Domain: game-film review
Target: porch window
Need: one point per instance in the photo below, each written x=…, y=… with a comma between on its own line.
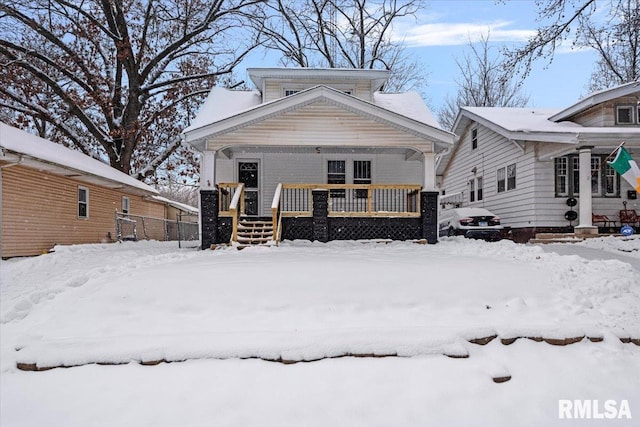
x=562, y=177
x=474, y=138
x=336, y=174
x=362, y=175
x=605, y=182
x=596, y=183
x=126, y=203
x=610, y=181
x=83, y=202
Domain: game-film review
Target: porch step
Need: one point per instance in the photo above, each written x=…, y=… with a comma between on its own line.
x=254, y=232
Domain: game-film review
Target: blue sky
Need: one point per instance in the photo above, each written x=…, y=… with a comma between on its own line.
x=442, y=32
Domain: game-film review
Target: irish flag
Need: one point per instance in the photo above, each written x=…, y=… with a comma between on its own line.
x=627, y=168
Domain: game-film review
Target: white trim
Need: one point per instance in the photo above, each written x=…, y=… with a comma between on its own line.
x=198, y=137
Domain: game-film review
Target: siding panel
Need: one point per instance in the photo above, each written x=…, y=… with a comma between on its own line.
x=39, y=210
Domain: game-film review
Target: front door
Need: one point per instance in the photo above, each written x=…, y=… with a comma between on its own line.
x=248, y=175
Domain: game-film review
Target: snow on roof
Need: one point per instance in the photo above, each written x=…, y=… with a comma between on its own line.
x=178, y=205
x=596, y=98
x=21, y=142
x=222, y=103
x=409, y=104
x=522, y=119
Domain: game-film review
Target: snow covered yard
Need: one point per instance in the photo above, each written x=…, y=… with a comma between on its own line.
x=218, y=313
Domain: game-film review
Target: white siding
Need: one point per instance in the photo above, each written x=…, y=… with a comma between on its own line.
x=293, y=168
x=515, y=207
x=274, y=89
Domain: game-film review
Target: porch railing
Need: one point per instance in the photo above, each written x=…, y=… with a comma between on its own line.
x=353, y=199
x=231, y=203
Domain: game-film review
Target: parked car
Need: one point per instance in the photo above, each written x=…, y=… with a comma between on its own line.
x=474, y=223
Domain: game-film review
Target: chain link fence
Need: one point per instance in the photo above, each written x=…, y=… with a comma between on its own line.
x=184, y=229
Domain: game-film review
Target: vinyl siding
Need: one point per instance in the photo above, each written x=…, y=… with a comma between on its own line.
x=39, y=210
x=603, y=115
x=291, y=168
x=515, y=207
x=319, y=124
x=274, y=89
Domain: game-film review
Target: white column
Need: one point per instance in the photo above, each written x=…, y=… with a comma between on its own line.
x=208, y=170
x=429, y=183
x=585, y=188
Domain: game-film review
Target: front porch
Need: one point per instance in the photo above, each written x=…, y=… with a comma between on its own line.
x=320, y=212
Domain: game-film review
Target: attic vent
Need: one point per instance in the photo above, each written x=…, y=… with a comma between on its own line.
x=73, y=175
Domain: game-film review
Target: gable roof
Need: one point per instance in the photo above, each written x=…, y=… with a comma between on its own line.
x=56, y=158
x=529, y=124
x=594, y=99
x=413, y=116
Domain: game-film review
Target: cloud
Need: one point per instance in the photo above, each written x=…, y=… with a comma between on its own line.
x=459, y=33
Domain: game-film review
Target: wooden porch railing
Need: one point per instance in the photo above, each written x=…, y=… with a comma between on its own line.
x=231, y=203
x=368, y=200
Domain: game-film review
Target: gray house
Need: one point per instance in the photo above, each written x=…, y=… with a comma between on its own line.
x=545, y=170
x=318, y=154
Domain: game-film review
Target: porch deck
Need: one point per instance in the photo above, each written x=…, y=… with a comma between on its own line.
x=333, y=212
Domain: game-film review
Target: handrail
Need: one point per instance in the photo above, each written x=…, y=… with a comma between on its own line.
x=275, y=213
x=383, y=200
x=238, y=198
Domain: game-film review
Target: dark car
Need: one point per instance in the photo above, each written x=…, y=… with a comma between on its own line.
x=474, y=223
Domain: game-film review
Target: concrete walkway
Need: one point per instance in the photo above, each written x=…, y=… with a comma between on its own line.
x=591, y=253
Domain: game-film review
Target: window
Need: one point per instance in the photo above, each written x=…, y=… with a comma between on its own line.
x=501, y=181
x=562, y=177
x=610, y=181
x=474, y=139
x=336, y=174
x=511, y=177
x=125, y=205
x=596, y=182
x=361, y=175
x=475, y=189
x=624, y=115
x=289, y=92
x=83, y=202
x=604, y=180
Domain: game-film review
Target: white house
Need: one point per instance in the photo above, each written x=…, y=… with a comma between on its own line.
x=317, y=154
x=529, y=165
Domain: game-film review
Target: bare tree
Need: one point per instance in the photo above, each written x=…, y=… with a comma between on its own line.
x=581, y=22
x=342, y=34
x=617, y=41
x=118, y=79
x=481, y=84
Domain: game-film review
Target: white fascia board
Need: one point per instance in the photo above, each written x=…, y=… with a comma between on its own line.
x=197, y=137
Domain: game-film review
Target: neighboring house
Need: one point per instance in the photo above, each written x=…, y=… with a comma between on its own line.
x=322, y=154
x=528, y=165
x=54, y=195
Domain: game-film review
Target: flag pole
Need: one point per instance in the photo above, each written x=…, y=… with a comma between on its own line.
x=614, y=152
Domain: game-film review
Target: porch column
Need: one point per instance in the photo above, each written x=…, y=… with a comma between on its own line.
x=429, y=161
x=585, y=226
x=208, y=200
x=208, y=170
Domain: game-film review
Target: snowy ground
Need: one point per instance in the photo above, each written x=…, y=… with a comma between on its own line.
x=221, y=315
